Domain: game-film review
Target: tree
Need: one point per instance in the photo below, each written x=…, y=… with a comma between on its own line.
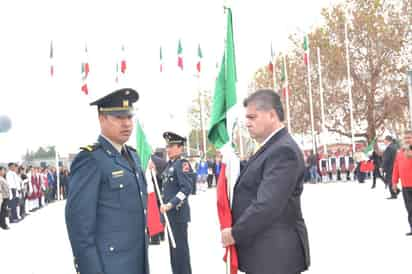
x=379, y=36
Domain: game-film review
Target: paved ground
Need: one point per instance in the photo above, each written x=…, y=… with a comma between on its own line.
x=352, y=229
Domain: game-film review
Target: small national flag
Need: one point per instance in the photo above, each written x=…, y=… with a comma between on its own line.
x=284, y=78
x=51, y=59
x=180, y=55
x=306, y=49
x=161, y=60
x=85, y=72
x=123, y=61
x=272, y=57
x=199, y=59
x=144, y=151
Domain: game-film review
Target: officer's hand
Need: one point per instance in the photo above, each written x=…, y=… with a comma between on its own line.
x=166, y=207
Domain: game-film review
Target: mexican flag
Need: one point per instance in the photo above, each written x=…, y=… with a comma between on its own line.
x=220, y=135
x=180, y=55
x=284, y=78
x=161, y=60
x=144, y=152
x=123, y=62
x=199, y=59
x=85, y=72
x=271, y=61
x=51, y=59
x=306, y=49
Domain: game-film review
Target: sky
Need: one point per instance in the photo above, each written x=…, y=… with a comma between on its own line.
x=54, y=111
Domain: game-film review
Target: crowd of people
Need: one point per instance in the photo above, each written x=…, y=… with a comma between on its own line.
x=27, y=189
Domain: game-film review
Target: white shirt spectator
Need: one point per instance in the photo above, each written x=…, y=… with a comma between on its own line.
x=13, y=180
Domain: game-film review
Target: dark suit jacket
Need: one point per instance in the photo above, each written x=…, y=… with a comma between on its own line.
x=388, y=160
x=268, y=226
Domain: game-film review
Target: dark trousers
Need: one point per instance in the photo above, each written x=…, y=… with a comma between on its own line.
x=22, y=205
x=376, y=174
x=407, y=197
x=209, y=180
x=388, y=182
x=13, y=204
x=179, y=256
x=3, y=212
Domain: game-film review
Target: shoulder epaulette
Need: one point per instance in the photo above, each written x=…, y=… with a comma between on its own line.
x=90, y=148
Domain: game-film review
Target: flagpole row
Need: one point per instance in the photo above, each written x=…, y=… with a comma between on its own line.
x=168, y=227
x=349, y=86
x=322, y=109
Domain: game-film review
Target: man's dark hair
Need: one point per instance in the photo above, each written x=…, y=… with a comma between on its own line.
x=388, y=138
x=266, y=99
x=10, y=165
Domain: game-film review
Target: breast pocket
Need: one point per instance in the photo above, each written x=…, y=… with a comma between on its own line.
x=128, y=191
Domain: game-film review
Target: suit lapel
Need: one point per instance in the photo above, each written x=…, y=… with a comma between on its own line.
x=271, y=141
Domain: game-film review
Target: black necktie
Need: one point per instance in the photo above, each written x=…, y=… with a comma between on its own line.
x=127, y=157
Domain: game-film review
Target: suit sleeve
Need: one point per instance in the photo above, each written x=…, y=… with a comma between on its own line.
x=280, y=174
x=81, y=212
x=185, y=184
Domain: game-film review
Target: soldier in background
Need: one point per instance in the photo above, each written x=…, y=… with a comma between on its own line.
x=177, y=186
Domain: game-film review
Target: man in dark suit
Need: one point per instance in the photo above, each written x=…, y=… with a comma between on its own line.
x=268, y=228
x=106, y=204
x=388, y=160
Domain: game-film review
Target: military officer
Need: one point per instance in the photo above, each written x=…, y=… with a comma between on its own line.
x=177, y=185
x=106, y=205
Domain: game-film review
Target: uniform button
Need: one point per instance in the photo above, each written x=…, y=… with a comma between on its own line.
x=111, y=248
x=121, y=185
x=145, y=211
x=145, y=230
x=141, y=193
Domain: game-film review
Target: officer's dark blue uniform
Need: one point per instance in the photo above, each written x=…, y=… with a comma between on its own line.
x=106, y=206
x=177, y=186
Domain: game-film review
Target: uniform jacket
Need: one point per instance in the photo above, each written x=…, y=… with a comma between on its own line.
x=177, y=186
x=268, y=226
x=106, y=212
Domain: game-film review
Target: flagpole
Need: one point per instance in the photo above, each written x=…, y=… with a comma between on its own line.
x=202, y=116
x=321, y=104
x=349, y=85
x=287, y=94
x=159, y=197
x=310, y=97
x=273, y=66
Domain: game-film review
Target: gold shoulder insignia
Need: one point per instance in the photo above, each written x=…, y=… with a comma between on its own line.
x=90, y=148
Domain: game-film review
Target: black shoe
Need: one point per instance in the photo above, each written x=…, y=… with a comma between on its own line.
x=5, y=227
x=14, y=221
x=390, y=198
x=409, y=234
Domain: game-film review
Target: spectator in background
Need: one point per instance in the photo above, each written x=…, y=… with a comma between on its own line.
x=218, y=167
x=377, y=163
x=64, y=181
x=210, y=172
x=23, y=191
x=52, y=185
x=14, y=186
x=387, y=164
x=202, y=174
x=5, y=194
x=403, y=170
x=312, y=162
